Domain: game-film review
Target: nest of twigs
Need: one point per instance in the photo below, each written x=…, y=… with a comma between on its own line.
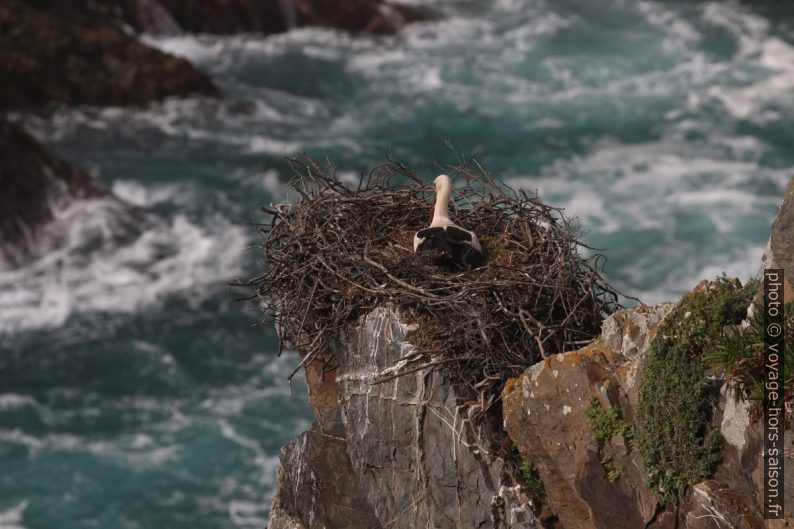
x=342, y=250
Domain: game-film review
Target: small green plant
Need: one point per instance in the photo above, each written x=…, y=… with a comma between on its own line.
x=613, y=473
x=673, y=427
x=606, y=423
x=740, y=353
x=532, y=482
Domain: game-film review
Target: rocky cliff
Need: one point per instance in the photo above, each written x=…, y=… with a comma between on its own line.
x=405, y=453
x=399, y=454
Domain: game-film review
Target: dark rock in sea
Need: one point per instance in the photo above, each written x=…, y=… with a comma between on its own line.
x=144, y=16
x=63, y=53
x=371, y=16
x=230, y=16
x=36, y=185
x=234, y=16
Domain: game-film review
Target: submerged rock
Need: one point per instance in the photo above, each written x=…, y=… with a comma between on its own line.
x=145, y=16
x=372, y=16
x=230, y=16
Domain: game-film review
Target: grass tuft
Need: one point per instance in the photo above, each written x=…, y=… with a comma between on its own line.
x=532, y=482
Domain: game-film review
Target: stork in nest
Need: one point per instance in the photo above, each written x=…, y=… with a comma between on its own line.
x=452, y=244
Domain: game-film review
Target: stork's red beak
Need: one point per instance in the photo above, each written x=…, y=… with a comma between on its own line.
x=432, y=212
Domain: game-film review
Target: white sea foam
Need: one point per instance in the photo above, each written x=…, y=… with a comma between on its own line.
x=748, y=29
x=12, y=401
x=248, y=513
x=749, y=101
x=681, y=33
x=146, y=196
x=264, y=145
x=647, y=187
x=97, y=263
x=12, y=518
x=220, y=53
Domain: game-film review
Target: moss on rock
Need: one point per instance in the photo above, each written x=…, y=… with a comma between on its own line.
x=673, y=429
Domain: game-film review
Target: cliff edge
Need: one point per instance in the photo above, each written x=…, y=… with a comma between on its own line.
x=651, y=425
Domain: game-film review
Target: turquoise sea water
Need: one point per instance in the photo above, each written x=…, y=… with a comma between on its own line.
x=135, y=393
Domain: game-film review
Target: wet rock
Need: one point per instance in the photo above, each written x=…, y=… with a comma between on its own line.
x=372, y=16
x=47, y=204
x=52, y=52
x=230, y=16
x=235, y=16
x=144, y=16
x=35, y=183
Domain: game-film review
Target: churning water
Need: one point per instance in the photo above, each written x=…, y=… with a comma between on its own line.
x=135, y=393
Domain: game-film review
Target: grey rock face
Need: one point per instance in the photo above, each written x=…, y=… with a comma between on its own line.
x=317, y=487
x=779, y=251
x=405, y=449
x=408, y=438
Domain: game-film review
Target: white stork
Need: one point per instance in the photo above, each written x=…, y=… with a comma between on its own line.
x=460, y=246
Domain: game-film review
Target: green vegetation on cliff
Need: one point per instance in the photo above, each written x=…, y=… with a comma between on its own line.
x=532, y=482
x=606, y=423
x=740, y=353
x=673, y=429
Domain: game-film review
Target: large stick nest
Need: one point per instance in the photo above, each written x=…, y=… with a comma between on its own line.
x=340, y=251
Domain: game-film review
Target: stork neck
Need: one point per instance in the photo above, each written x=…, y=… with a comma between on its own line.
x=441, y=209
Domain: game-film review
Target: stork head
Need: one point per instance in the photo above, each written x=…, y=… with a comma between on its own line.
x=442, y=182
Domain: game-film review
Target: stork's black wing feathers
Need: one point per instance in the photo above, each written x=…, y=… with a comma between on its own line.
x=451, y=243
